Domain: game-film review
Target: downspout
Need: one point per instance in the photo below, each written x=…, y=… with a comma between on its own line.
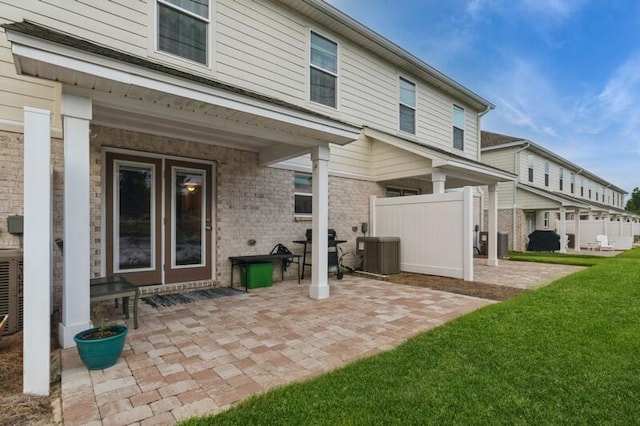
x=479, y=116
x=516, y=170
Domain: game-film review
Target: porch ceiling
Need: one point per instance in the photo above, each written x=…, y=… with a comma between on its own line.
x=134, y=93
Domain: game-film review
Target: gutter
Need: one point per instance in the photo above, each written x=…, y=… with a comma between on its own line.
x=478, y=127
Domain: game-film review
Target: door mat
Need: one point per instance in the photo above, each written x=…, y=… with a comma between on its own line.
x=170, y=299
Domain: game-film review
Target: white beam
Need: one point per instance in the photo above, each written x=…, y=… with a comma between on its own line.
x=320, y=223
x=577, y=240
x=37, y=251
x=467, y=226
x=76, y=266
x=438, y=179
x=492, y=258
x=562, y=230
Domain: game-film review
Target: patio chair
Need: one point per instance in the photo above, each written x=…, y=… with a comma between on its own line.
x=603, y=243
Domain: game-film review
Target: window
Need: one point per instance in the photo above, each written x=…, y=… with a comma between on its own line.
x=546, y=220
x=302, y=191
x=407, y=106
x=458, y=127
x=530, y=168
x=323, y=71
x=401, y=192
x=597, y=196
x=183, y=27
x=546, y=173
x=561, y=179
x=573, y=183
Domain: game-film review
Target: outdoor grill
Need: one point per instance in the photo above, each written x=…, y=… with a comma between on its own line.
x=332, y=248
x=543, y=240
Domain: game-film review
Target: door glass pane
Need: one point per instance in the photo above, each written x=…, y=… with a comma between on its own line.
x=188, y=217
x=135, y=217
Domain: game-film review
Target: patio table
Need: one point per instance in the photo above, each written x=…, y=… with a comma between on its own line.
x=113, y=287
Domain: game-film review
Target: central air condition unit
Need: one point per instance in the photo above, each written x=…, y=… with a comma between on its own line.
x=380, y=255
x=11, y=282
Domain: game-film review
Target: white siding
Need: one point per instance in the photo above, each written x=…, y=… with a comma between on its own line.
x=257, y=45
x=389, y=162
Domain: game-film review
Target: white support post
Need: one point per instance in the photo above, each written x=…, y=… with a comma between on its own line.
x=605, y=225
x=562, y=229
x=438, y=179
x=320, y=225
x=467, y=226
x=75, y=293
x=372, y=216
x=577, y=240
x=37, y=252
x=492, y=258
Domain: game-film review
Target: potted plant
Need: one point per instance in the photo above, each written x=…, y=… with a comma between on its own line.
x=100, y=347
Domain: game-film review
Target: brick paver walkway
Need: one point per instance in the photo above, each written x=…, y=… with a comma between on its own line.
x=202, y=357
x=526, y=275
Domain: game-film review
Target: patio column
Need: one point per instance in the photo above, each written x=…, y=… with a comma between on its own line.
x=577, y=230
x=562, y=230
x=76, y=113
x=320, y=225
x=438, y=179
x=492, y=258
x=37, y=251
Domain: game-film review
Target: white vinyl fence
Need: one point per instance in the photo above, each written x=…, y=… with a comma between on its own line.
x=621, y=233
x=435, y=230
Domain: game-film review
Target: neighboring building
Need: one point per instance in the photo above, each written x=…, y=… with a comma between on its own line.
x=549, y=191
x=228, y=122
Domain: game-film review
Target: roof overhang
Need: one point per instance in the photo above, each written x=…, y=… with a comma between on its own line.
x=543, y=152
x=340, y=23
x=470, y=172
x=131, y=92
x=560, y=199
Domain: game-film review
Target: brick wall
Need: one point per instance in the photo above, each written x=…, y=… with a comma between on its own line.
x=251, y=202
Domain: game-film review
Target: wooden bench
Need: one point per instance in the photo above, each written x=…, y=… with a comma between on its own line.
x=114, y=287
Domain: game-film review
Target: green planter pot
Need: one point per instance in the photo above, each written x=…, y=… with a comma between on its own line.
x=103, y=352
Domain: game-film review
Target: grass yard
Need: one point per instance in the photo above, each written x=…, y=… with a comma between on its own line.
x=568, y=353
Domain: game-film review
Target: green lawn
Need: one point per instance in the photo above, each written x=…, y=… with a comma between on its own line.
x=568, y=353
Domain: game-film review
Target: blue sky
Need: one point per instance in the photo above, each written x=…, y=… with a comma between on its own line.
x=562, y=73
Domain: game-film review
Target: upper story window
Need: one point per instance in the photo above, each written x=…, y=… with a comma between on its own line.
x=546, y=173
x=183, y=27
x=561, y=179
x=530, y=170
x=407, y=109
x=573, y=183
x=458, y=127
x=323, y=71
x=302, y=194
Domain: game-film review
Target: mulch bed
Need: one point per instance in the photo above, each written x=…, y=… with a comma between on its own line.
x=15, y=407
x=454, y=285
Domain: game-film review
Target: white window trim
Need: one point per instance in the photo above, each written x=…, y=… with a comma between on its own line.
x=156, y=24
x=414, y=108
x=304, y=194
x=116, y=223
x=203, y=215
x=336, y=75
x=453, y=125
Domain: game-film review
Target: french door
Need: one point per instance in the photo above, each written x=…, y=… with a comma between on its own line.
x=158, y=219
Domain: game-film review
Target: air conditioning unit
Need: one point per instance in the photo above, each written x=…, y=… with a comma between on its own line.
x=380, y=255
x=11, y=284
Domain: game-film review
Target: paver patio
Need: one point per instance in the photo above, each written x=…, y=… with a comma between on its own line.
x=202, y=357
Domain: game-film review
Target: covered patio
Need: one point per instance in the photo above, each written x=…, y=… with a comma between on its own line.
x=202, y=357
